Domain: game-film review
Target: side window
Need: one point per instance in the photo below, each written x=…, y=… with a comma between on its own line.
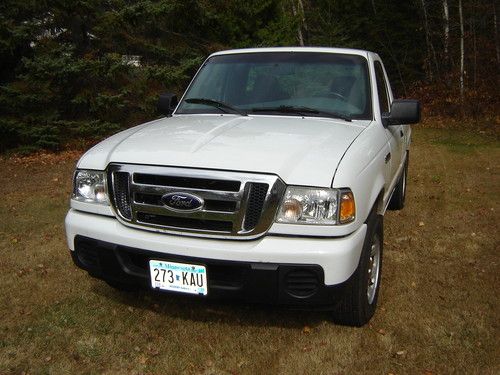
x=383, y=96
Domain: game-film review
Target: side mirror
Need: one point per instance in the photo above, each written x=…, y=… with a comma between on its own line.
x=167, y=103
x=403, y=112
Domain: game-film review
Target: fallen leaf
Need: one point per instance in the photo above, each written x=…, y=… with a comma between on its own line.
x=401, y=353
x=421, y=224
x=306, y=329
x=381, y=331
x=47, y=359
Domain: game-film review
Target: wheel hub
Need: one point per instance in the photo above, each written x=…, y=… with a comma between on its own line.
x=373, y=269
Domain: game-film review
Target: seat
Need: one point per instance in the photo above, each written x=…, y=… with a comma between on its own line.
x=352, y=89
x=342, y=85
x=267, y=89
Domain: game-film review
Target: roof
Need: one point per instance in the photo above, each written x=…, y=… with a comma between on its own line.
x=348, y=51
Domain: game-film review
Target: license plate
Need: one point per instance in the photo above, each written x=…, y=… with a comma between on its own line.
x=178, y=277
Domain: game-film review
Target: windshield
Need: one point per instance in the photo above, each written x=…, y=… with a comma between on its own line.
x=282, y=83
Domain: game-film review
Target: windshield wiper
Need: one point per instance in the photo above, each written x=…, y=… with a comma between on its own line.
x=303, y=111
x=215, y=103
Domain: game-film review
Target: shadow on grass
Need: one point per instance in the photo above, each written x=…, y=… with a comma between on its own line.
x=196, y=309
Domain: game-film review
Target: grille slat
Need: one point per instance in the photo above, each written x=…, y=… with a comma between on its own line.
x=186, y=182
x=205, y=194
x=203, y=215
x=210, y=205
x=184, y=222
x=234, y=204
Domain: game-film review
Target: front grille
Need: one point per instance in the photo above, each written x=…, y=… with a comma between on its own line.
x=234, y=204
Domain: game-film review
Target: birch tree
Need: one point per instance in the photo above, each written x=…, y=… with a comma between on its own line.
x=446, y=19
x=298, y=13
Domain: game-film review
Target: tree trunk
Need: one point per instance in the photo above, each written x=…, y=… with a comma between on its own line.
x=474, y=46
x=299, y=26
x=495, y=27
x=431, y=53
x=446, y=19
x=303, y=19
x=462, y=52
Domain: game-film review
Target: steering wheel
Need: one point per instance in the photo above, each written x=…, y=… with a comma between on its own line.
x=336, y=95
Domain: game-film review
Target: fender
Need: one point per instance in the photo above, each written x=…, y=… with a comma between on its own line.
x=363, y=169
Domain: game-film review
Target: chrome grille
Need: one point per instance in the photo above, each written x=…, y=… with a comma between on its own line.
x=240, y=205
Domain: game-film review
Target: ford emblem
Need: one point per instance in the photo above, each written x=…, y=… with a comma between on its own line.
x=184, y=202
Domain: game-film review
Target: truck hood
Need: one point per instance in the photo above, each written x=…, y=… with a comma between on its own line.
x=302, y=151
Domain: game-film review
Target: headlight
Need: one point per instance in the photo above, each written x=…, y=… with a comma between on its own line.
x=303, y=205
x=90, y=186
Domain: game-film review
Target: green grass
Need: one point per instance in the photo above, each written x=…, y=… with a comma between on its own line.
x=462, y=142
x=438, y=310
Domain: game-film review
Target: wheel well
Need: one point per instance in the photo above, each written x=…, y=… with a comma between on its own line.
x=379, y=203
x=377, y=207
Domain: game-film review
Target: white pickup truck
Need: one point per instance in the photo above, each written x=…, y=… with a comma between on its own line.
x=266, y=182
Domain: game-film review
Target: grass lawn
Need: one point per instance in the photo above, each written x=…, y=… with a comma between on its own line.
x=438, y=310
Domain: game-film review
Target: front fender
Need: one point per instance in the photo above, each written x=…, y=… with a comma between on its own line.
x=363, y=170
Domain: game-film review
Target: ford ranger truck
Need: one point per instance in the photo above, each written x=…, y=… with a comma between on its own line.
x=266, y=182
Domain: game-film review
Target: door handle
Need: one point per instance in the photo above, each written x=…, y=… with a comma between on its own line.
x=387, y=158
x=401, y=133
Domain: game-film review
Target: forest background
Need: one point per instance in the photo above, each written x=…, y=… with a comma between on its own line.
x=72, y=72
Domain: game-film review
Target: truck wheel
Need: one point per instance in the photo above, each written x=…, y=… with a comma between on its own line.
x=398, y=197
x=360, y=293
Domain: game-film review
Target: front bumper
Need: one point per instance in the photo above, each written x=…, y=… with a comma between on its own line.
x=257, y=270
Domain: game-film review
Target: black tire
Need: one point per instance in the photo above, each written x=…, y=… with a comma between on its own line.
x=398, y=197
x=122, y=287
x=355, y=307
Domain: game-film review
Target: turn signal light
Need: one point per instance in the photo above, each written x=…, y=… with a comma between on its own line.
x=347, y=207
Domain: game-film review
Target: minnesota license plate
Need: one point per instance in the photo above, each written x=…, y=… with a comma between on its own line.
x=178, y=277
